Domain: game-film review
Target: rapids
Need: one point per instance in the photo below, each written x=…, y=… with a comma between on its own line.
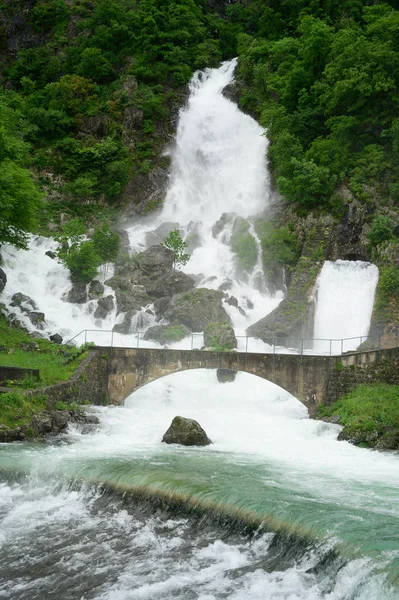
x=77, y=525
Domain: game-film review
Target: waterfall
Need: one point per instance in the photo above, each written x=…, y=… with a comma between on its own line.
x=344, y=303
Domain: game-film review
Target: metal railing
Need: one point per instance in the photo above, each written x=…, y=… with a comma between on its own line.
x=245, y=343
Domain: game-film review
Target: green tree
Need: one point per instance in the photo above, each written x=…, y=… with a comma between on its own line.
x=175, y=243
x=20, y=198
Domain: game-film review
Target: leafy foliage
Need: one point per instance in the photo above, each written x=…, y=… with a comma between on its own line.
x=20, y=198
x=175, y=243
x=380, y=231
x=324, y=78
x=83, y=257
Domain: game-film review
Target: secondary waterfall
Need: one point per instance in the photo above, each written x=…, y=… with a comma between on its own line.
x=344, y=303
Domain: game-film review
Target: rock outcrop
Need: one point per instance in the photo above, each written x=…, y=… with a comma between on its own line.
x=47, y=423
x=197, y=308
x=220, y=336
x=186, y=432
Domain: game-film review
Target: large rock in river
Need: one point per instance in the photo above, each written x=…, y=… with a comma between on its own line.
x=197, y=308
x=186, y=432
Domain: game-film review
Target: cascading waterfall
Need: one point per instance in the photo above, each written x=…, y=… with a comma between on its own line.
x=110, y=513
x=344, y=303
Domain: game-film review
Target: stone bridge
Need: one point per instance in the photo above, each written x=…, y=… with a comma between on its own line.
x=312, y=379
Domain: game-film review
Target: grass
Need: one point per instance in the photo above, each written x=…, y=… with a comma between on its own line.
x=56, y=363
x=367, y=408
x=16, y=410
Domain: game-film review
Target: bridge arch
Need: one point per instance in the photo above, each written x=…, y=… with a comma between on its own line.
x=304, y=377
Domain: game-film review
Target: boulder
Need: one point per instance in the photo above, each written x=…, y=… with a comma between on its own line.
x=104, y=307
x=3, y=280
x=232, y=301
x=37, y=319
x=125, y=326
x=186, y=432
x=166, y=334
x=220, y=336
x=56, y=338
x=197, y=308
x=172, y=282
x=159, y=235
x=131, y=297
x=25, y=303
x=78, y=293
x=161, y=305
x=51, y=254
x=226, y=375
x=155, y=261
x=96, y=289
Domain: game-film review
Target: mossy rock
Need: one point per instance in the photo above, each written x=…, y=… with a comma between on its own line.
x=167, y=334
x=186, y=432
x=220, y=336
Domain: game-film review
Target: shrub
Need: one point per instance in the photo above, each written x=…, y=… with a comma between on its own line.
x=380, y=231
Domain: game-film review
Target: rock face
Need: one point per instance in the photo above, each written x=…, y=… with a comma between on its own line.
x=186, y=432
x=96, y=289
x=196, y=309
x=3, y=280
x=104, y=307
x=220, y=336
x=78, y=293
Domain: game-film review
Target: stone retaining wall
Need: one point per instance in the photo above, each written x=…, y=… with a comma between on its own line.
x=89, y=384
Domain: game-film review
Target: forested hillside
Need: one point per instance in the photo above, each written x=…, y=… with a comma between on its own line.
x=89, y=88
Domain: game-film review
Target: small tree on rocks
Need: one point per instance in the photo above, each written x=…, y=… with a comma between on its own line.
x=175, y=243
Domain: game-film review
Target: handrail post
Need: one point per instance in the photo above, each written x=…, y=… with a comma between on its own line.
x=246, y=350
x=302, y=347
x=138, y=339
x=85, y=336
x=342, y=347
x=112, y=339
x=379, y=346
x=330, y=348
x=274, y=346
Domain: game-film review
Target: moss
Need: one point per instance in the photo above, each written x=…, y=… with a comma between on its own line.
x=174, y=333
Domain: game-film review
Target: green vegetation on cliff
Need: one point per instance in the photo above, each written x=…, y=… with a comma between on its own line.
x=89, y=86
x=324, y=78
